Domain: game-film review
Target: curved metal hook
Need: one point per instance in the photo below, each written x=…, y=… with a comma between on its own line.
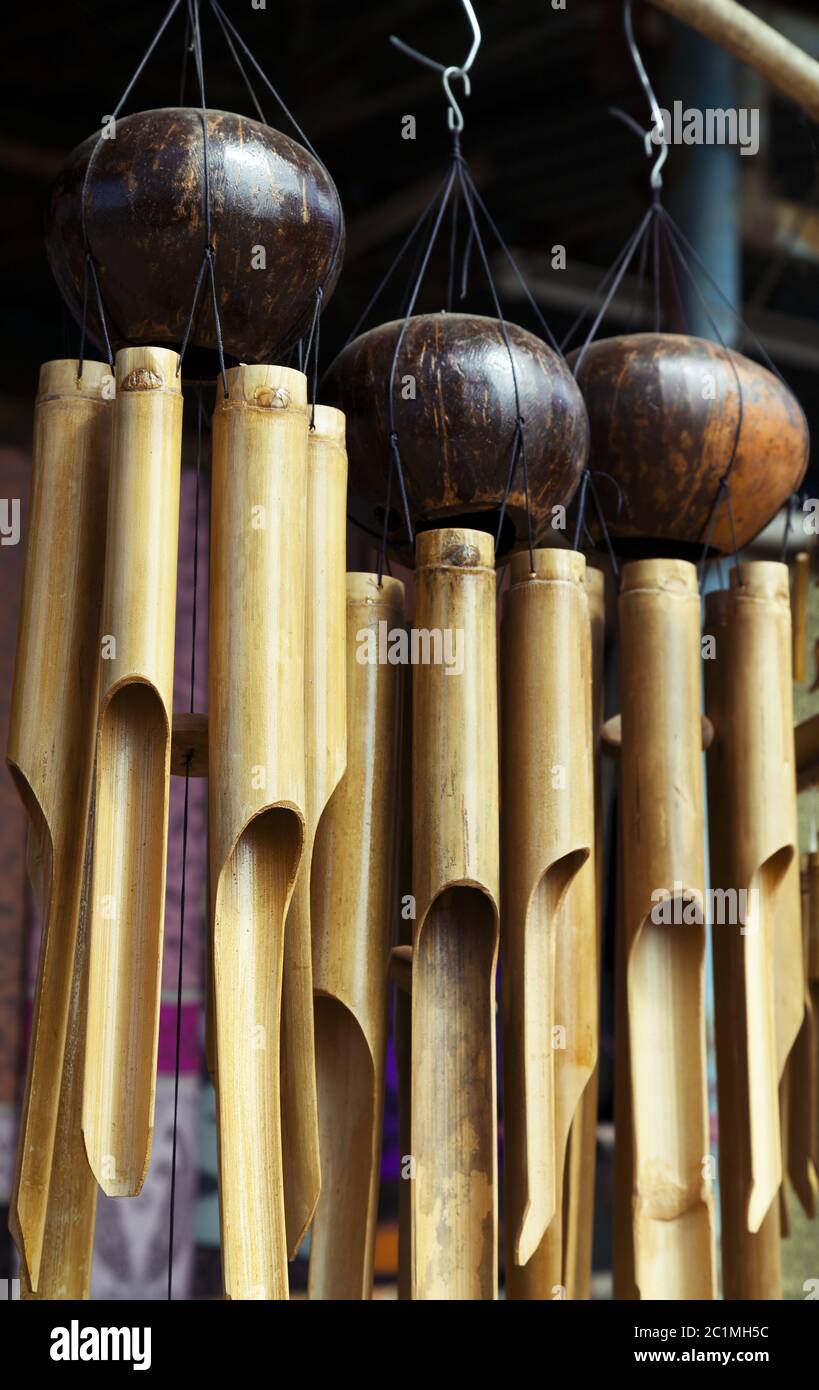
x=454, y=115
x=655, y=135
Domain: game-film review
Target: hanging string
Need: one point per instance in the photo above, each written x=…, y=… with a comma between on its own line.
x=90, y=266
x=395, y=454
x=183, y=885
x=313, y=346
x=209, y=253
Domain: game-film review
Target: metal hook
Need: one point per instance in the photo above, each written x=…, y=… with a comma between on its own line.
x=655, y=135
x=455, y=118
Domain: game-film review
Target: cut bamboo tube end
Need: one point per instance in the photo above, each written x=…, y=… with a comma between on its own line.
x=256, y=793
x=50, y=753
x=325, y=735
x=68, y=1243
x=352, y=897
x=455, y=880
x=660, y=769
x=802, y=1075
x=133, y=769
x=550, y=937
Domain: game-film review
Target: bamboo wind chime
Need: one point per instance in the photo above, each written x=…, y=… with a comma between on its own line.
x=51, y=754
x=354, y=874
x=133, y=770
x=347, y=795
x=455, y=941
x=751, y=768
x=549, y=919
x=662, y=817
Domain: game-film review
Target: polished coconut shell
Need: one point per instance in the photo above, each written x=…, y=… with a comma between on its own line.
x=664, y=410
x=456, y=422
x=146, y=230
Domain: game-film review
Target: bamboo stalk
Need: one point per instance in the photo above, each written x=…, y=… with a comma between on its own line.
x=352, y=902
x=754, y=42
x=50, y=753
x=71, y=1216
x=402, y=999
x=325, y=742
x=256, y=794
x=799, y=602
x=753, y=842
x=455, y=879
x=550, y=937
x=661, y=799
x=133, y=769
x=582, y=1148
x=623, y=1278
x=802, y=1073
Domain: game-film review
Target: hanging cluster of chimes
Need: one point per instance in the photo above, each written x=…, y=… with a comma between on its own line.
x=470, y=792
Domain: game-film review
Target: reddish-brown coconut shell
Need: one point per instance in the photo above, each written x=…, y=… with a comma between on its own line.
x=455, y=418
x=146, y=230
x=664, y=411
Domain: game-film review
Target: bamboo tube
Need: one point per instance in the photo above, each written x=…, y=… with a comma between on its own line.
x=755, y=43
x=455, y=879
x=813, y=989
x=133, y=769
x=71, y=1215
x=582, y=1148
x=661, y=799
x=256, y=794
x=799, y=601
x=623, y=1279
x=325, y=743
x=352, y=902
x=402, y=999
x=51, y=741
x=550, y=937
x=802, y=1074
x=752, y=830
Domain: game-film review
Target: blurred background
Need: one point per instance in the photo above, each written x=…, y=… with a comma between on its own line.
x=557, y=169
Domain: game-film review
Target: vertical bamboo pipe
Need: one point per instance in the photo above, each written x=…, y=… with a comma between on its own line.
x=624, y=1287
x=582, y=1150
x=402, y=999
x=71, y=1216
x=352, y=904
x=256, y=771
x=813, y=988
x=51, y=749
x=133, y=769
x=799, y=604
x=661, y=800
x=455, y=880
x=325, y=744
x=801, y=1074
x=550, y=935
x=752, y=830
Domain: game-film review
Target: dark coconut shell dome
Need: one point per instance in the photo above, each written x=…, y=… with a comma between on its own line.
x=664, y=411
x=146, y=230
x=456, y=425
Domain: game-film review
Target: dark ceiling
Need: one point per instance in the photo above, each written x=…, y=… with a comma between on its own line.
x=549, y=159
